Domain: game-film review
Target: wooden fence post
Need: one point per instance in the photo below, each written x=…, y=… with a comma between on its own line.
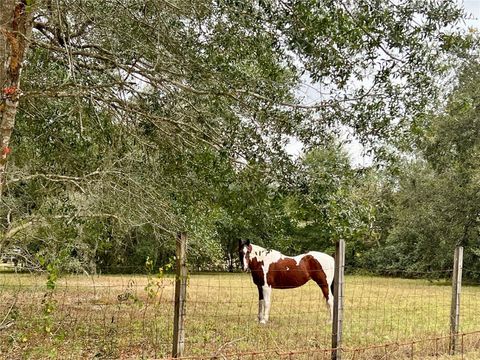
x=338, y=294
x=180, y=296
x=456, y=290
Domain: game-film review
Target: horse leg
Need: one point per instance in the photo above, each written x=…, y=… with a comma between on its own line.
x=329, y=301
x=323, y=284
x=267, y=290
x=330, y=307
x=261, y=304
x=331, y=298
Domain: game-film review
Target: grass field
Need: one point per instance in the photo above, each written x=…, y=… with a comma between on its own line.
x=132, y=317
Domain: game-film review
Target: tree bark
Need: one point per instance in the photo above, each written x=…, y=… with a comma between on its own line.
x=15, y=30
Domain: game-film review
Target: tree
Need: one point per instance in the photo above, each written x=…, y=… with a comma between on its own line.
x=328, y=204
x=436, y=200
x=16, y=20
x=226, y=72
x=163, y=83
x=452, y=147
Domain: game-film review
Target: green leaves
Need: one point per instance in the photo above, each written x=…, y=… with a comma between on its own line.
x=328, y=204
x=174, y=116
x=435, y=202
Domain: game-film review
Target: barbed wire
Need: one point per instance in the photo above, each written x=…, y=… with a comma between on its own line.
x=406, y=350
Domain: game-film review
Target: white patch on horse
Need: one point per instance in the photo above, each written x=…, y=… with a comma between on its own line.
x=298, y=258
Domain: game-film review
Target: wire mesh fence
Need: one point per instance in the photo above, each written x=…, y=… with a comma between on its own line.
x=131, y=316
x=222, y=315
x=85, y=316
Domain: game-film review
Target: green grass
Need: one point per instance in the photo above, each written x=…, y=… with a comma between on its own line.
x=115, y=317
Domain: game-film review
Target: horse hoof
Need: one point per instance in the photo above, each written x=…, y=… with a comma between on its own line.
x=263, y=322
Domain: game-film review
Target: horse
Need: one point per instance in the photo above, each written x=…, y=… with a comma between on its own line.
x=272, y=270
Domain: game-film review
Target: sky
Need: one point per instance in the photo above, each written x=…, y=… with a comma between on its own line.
x=472, y=7
x=354, y=148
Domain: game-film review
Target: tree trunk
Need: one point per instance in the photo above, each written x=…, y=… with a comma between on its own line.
x=15, y=31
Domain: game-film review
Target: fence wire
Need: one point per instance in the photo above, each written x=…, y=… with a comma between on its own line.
x=108, y=316
x=131, y=316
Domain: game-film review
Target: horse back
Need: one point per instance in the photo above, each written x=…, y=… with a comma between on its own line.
x=326, y=261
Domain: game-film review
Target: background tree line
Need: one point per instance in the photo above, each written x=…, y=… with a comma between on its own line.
x=175, y=115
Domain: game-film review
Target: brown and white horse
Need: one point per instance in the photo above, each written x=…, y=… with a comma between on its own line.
x=272, y=270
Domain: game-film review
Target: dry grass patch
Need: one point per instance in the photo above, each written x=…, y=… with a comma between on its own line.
x=114, y=316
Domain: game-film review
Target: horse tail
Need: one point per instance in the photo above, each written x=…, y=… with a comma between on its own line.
x=332, y=285
x=331, y=298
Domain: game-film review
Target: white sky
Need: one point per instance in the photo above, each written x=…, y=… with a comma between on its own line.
x=472, y=7
x=355, y=149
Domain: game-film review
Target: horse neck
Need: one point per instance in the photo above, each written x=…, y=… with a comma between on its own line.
x=260, y=253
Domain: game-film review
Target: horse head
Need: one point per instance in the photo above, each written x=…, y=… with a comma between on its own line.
x=244, y=250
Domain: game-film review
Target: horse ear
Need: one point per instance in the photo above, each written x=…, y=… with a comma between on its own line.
x=247, y=242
